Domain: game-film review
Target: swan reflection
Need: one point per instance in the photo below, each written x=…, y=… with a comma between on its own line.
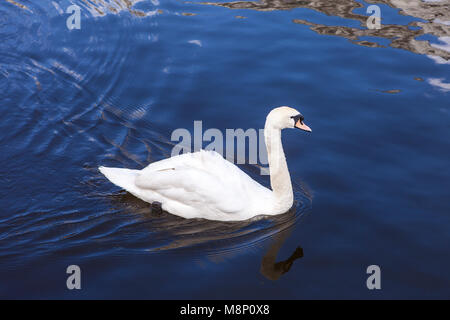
x=216, y=240
x=270, y=268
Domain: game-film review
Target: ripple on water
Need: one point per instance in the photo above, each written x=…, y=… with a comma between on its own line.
x=58, y=93
x=174, y=234
x=127, y=224
x=62, y=102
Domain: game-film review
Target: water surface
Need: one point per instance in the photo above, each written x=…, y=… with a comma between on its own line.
x=371, y=182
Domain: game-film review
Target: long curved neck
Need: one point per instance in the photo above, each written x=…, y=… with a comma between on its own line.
x=280, y=180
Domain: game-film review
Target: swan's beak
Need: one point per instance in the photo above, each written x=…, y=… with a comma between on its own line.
x=300, y=125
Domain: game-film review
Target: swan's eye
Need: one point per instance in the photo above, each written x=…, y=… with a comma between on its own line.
x=298, y=117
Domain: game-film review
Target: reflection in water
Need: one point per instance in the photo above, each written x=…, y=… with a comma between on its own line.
x=218, y=238
x=435, y=14
x=18, y=4
x=70, y=99
x=101, y=8
x=439, y=83
x=273, y=270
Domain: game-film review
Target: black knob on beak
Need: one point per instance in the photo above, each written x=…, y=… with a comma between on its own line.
x=298, y=117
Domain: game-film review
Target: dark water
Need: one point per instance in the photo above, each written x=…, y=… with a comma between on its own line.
x=372, y=183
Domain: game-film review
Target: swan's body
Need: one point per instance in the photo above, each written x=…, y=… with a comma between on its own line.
x=205, y=185
x=196, y=185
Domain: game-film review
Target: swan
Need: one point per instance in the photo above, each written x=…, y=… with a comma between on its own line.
x=205, y=185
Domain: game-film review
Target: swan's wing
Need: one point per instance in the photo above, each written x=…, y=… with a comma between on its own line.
x=199, y=180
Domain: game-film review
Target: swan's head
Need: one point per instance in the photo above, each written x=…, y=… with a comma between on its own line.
x=287, y=117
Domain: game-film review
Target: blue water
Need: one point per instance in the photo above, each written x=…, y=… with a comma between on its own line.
x=372, y=183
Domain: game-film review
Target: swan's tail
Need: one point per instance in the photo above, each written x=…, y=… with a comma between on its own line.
x=123, y=178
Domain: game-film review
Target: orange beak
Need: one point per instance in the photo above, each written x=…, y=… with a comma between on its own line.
x=300, y=125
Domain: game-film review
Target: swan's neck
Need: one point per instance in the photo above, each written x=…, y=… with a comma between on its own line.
x=280, y=180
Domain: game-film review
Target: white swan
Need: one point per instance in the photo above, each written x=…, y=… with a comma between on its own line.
x=205, y=185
